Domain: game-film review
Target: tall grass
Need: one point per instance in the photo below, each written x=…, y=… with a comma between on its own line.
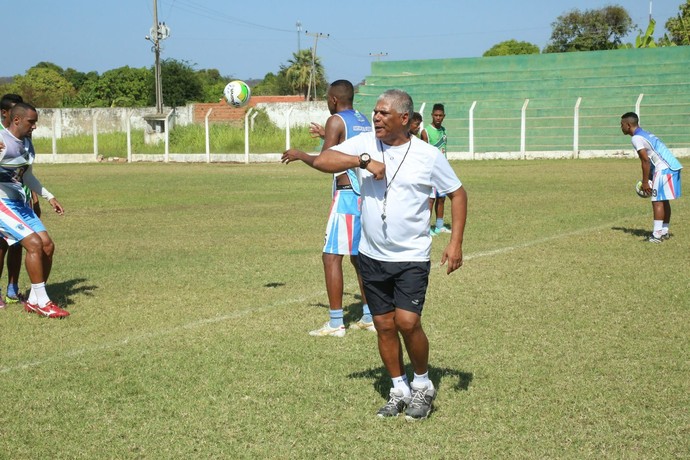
x=224, y=138
x=192, y=288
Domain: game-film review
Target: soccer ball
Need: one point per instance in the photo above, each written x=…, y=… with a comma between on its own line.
x=639, y=191
x=237, y=93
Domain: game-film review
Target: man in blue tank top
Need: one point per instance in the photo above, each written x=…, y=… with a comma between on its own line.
x=343, y=229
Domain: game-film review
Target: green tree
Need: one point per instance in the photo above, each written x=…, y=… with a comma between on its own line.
x=122, y=87
x=512, y=47
x=49, y=65
x=590, y=30
x=679, y=26
x=299, y=71
x=77, y=78
x=42, y=87
x=212, y=83
x=273, y=85
x=181, y=84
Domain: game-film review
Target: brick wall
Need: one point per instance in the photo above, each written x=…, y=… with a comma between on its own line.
x=222, y=112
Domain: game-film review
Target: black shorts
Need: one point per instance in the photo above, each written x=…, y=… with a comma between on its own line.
x=391, y=285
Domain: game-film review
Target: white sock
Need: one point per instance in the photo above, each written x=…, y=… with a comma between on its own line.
x=664, y=228
x=422, y=380
x=658, y=224
x=38, y=295
x=401, y=383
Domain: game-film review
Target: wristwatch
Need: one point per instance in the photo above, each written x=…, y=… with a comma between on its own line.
x=364, y=160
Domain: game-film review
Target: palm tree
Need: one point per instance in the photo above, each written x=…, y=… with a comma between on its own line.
x=299, y=72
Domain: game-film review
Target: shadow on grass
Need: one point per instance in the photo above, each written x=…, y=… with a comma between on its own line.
x=351, y=312
x=274, y=285
x=63, y=291
x=382, y=381
x=633, y=231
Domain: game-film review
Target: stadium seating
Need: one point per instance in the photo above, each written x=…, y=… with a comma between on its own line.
x=609, y=83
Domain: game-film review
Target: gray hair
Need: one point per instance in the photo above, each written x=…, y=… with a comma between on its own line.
x=399, y=100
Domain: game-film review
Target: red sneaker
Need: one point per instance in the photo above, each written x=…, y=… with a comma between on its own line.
x=50, y=310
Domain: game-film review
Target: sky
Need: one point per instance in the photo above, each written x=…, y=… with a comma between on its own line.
x=247, y=40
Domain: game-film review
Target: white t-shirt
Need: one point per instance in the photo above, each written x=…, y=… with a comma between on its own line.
x=411, y=171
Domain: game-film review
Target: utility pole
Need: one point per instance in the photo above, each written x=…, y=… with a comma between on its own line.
x=299, y=32
x=312, y=77
x=650, y=10
x=159, y=32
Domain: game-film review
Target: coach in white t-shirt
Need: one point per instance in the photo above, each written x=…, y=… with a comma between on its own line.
x=397, y=172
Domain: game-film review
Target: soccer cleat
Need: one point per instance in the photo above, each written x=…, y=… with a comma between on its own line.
x=327, y=330
x=363, y=326
x=49, y=311
x=397, y=401
x=655, y=239
x=444, y=229
x=15, y=299
x=420, y=402
x=665, y=236
x=433, y=231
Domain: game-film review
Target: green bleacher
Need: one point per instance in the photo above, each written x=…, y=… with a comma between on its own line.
x=609, y=83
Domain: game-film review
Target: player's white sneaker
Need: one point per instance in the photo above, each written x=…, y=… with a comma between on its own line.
x=327, y=330
x=363, y=326
x=655, y=239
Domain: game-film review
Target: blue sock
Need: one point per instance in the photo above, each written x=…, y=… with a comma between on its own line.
x=336, y=318
x=439, y=223
x=366, y=314
x=12, y=290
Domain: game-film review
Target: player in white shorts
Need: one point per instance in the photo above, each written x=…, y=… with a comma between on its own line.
x=343, y=228
x=661, y=167
x=18, y=222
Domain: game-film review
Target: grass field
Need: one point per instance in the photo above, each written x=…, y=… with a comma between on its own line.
x=192, y=289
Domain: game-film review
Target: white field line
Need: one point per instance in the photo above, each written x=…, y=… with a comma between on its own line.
x=240, y=313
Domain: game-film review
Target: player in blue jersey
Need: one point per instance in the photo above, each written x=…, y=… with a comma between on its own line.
x=659, y=166
x=18, y=222
x=343, y=229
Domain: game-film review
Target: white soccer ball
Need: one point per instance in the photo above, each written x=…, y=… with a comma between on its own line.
x=639, y=191
x=237, y=93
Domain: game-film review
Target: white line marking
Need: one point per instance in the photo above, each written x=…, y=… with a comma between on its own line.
x=240, y=313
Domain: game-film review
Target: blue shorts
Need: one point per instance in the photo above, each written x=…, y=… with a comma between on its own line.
x=17, y=220
x=344, y=228
x=434, y=194
x=666, y=185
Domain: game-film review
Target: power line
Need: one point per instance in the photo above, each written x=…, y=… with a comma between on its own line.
x=200, y=9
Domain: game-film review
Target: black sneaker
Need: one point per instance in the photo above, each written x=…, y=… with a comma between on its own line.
x=420, y=402
x=397, y=402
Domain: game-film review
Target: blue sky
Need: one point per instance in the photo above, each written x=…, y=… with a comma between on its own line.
x=249, y=39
